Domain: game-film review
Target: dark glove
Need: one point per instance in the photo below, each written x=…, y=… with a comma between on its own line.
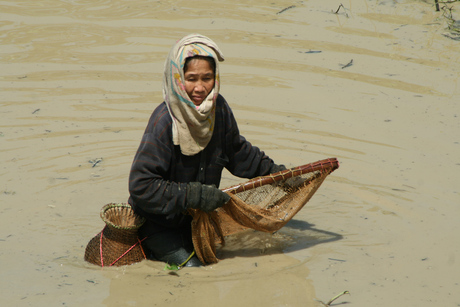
x=277, y=168
x=205, y=197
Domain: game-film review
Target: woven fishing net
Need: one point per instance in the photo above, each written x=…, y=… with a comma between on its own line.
x=264, y=203
x=117, y=244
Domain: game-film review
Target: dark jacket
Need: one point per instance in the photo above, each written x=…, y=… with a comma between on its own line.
x=160, y=172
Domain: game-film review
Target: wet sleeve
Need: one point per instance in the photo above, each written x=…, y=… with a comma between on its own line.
x=148, y=185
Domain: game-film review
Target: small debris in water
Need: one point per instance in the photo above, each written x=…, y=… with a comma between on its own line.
x=338, y=9
x=328, y=304
x=95, y=161
x=312, y=51
x=348, y=65
x=285, y=9
x=333, y=259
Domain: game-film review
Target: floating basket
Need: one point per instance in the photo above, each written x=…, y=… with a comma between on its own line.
x=117, y=244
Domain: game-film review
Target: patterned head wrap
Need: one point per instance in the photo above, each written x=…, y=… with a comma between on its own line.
x=192, y=125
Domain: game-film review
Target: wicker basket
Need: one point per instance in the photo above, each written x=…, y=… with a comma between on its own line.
x=117, y=244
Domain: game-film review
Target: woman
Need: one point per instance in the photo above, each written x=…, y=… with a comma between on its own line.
x=189, y=139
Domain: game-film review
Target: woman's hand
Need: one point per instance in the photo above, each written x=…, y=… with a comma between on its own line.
x=205, y=197
x=277, y=168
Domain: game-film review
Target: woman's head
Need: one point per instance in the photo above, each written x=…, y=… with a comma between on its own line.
x=190, y=90
x=192, y=51
x=199, y=77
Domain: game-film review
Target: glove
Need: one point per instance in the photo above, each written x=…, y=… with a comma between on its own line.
x=205, y=197
x=277, y=168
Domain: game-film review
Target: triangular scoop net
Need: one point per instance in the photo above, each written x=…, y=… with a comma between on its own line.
x=264, y=203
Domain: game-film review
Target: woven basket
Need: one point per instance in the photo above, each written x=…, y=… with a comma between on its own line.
x=117, y=244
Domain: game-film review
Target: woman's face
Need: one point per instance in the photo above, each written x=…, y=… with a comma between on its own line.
x=199, y=80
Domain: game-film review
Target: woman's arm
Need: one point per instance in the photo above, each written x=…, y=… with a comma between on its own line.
x=148, y=186
x=245, y=160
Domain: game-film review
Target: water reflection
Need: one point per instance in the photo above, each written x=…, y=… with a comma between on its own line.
x=294, y=236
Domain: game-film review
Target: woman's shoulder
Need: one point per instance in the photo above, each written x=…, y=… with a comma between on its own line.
x=160, y=121
x=222, y=104
x=225, y=114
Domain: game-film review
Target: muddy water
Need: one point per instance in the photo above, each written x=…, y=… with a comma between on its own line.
x=79, y=80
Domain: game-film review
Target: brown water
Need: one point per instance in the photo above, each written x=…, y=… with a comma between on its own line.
x=79, y=80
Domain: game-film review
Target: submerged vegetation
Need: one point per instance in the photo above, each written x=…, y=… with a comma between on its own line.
x=448, y=8
x=447, y=13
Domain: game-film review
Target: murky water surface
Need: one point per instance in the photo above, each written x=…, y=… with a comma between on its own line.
x=375, y=85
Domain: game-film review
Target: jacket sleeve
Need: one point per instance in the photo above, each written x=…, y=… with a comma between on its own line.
x=148, y=185
x=245, y=160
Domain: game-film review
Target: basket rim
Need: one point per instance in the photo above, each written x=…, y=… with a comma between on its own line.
x=123, y=205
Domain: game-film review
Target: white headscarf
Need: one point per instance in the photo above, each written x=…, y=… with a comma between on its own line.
x=192, y=125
